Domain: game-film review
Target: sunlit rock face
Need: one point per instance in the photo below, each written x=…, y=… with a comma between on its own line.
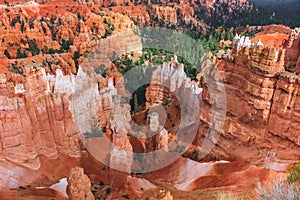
x=121, y=150
x=268, y=60
x=292, y=59
x=179, y=13
x=172, y=89
x=46, y=113
x=79, y=185
x=157, y=135
x=262, y=109
x=30, y=129
x=45, y=118
x=49, y=27
x=50, y=102
x=154, y=12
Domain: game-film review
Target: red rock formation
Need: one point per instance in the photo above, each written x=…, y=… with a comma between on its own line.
x=292, y=51
x=27, y=131
x=169, y=88
x=79, y=185
x=282, y=37
x=121, y=150
x=175, y=98
x=76, y=24
x=173, y=15
x=157, y=136
x=46, y=110
x=38, y=119
x=263, y=124
x=49, y=103
x=187, y=175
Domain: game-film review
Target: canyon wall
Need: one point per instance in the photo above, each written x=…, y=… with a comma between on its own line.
x=46, y=122
x=177, y=14
x=262, y=108
x=28, y=131
x=47, y=111
x=292, y=45
x=176, y=100
x=49, y=28
x=261, y=99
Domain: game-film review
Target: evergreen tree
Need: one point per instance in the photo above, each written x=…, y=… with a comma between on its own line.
x=21, y=54
x=7, y=53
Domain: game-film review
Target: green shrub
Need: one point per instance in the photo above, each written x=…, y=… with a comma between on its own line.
x=15, y=20
x=7, y=53
x=294, y=176
x=51, y=51
x=21, y=54
x=33, y=48
x=65, y=45
x=75, y=57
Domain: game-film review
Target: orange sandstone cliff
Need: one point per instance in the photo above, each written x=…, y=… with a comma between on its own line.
x=262, y=112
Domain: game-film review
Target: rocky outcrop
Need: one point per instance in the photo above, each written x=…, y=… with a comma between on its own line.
x=166, y=13
x=25, y=33
x=170, y=86
x=79, y=185
x=292, y=45
x=121, y=150
x=171, y=16
x=180, y=14
x=47, y=110
x=262, y=123
x=28, y=131
x=49, y=114
x=48, y=100
x=265, y=60
x=157, y=135
x=176, y=99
